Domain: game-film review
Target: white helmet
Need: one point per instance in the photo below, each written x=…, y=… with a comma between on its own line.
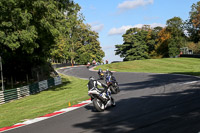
x=91, y=78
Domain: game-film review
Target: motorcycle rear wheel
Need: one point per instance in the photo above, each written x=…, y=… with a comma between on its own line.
x=98, y=104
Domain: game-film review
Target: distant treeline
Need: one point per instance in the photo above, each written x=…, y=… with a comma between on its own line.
x=159, y=42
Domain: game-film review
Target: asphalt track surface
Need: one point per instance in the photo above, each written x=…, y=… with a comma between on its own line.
x=147, y=103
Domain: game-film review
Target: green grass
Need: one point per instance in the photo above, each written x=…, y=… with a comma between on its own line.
x=73, y=90
x=190, y=66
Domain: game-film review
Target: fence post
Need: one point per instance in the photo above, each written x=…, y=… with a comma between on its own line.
x=27, y=90
x=18, y=93
x=2, y=101
x=24, y=91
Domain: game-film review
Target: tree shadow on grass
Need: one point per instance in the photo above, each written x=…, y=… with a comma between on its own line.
x=60, y=87
x=175, y=111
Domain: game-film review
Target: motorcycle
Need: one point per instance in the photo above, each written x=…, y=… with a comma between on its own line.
x=101, y=100
x=112, y=84
x=101, y=76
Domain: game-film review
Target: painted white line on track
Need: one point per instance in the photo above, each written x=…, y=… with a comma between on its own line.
x=192, y=82
x=34, y=120
x=69, y=109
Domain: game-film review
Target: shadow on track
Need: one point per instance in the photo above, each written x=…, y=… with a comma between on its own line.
x=174, y=112
x=153, y=80
x=153, y=103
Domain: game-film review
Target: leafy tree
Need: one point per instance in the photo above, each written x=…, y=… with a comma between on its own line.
x=80, y=44
x=134, y=46
x=60, y=50
x=173, y=49
x=193, y=24
x=67, y=42
x=152, y=41
x=176, y=30
x=161, y=49
x=91, y=48
x=28, y=30
x=74, y=33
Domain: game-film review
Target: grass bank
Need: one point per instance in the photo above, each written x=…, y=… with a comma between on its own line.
x=73, y=90
x=189, y=66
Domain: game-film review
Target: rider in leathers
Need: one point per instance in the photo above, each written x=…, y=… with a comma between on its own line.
x=100, y=71
x=94, y=83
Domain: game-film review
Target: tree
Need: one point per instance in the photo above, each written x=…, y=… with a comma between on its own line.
x=28, y=30
x=175, y=26
x=90, y=49
x=177, y=40
x=173, y=49
x=193, y=24
x=81, y=45
x=134, y=46
x=152, y=41
x=161, y=49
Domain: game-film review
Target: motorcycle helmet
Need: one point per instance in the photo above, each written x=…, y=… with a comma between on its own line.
x=91, y=78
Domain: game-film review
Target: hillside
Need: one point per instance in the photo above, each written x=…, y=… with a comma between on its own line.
x=190, y=66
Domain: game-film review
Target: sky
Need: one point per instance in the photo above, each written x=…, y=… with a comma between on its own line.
x=111, y=18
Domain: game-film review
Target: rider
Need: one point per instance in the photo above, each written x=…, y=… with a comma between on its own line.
x=94, y=83
x=108, y=72
x=88, y=64
x=110, y=77
x=100, y=71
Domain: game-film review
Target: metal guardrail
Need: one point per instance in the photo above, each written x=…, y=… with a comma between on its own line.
x=23, y=91
x=10, y=95
x=13, y=94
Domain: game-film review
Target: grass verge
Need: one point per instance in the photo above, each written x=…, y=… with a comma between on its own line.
x=189, y=66
x=73, y=90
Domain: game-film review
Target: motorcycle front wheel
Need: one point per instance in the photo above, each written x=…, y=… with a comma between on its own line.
x=98, y=104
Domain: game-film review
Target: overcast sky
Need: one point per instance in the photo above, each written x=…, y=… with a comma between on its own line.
x=111, y=18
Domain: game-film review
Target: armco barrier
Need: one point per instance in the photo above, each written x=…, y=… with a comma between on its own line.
x=34, y=88
x=12, y=94
x=23, y=91
x=57, y=80
x=50, y=82
x=43, y=85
